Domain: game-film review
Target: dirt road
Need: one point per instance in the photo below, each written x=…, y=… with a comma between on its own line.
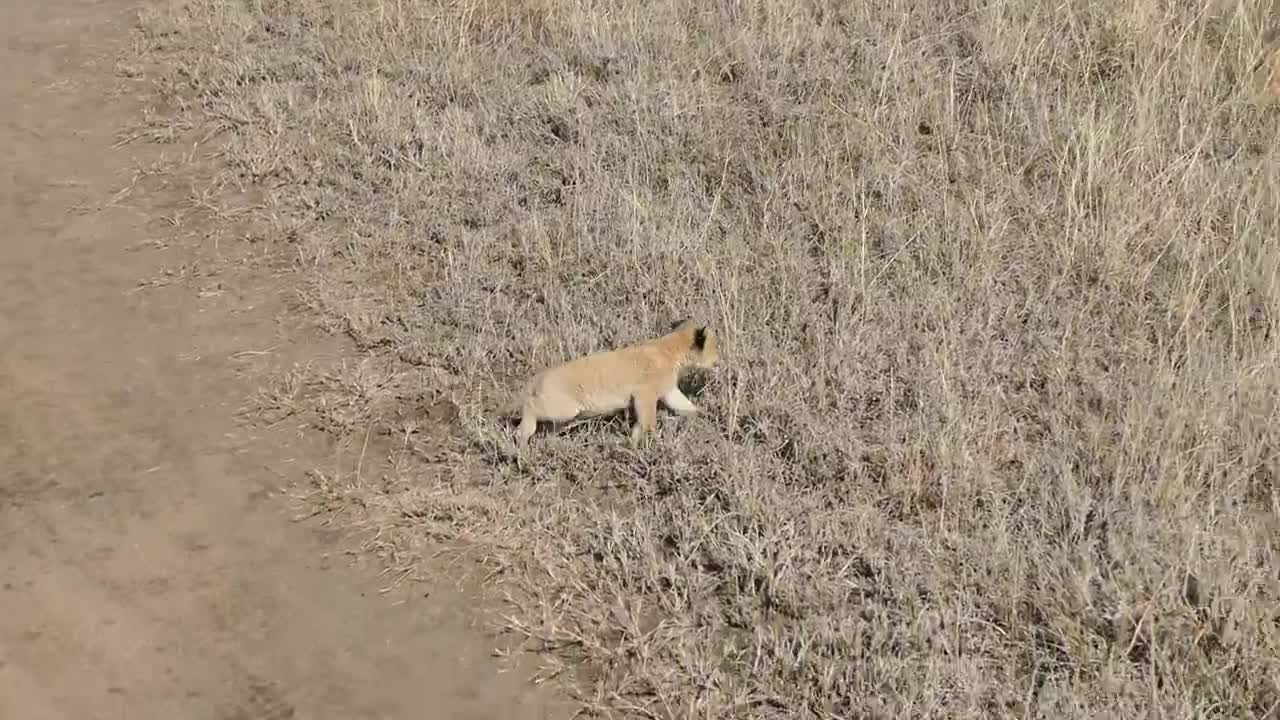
x=147, y=569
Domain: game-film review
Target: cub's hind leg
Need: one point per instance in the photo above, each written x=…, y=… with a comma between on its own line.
x=528, y=426
x=547, y=406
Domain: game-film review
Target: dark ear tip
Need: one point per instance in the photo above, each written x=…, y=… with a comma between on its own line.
x=700, y=338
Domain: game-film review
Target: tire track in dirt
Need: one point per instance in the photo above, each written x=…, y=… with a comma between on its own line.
x=145, y=569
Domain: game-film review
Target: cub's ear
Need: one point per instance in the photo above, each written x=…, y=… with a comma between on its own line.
x=700, y=339
x=680, y=323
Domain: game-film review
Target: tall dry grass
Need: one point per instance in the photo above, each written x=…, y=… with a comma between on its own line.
x=996, y=430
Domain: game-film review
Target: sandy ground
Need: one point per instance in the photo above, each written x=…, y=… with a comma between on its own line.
x=147, y=566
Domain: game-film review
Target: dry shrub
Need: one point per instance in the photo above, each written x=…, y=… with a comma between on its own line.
x=995, y=434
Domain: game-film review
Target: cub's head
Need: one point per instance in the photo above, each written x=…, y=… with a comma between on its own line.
x=703, y=345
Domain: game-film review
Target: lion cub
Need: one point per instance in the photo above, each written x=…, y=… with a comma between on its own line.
x=605, y=382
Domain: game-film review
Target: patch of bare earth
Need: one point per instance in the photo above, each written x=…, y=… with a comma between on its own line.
x=996, y=432
x=146, y=569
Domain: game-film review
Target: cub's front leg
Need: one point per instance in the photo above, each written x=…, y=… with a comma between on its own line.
x=678, y=403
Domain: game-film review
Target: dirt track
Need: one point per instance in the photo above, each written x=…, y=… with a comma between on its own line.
x=147, y=567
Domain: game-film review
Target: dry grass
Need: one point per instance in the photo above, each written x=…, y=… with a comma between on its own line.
x=996, y=430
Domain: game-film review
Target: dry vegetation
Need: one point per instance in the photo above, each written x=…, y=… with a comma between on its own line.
x=995, y=433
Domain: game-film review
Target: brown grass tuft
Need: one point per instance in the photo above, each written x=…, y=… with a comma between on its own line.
x=996, y=430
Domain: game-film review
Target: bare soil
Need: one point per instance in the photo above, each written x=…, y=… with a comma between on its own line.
x=148, y=567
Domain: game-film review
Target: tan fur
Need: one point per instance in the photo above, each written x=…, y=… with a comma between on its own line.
x=606, y=382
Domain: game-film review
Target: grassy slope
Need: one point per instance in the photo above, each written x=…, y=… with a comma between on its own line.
x=998, y=285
